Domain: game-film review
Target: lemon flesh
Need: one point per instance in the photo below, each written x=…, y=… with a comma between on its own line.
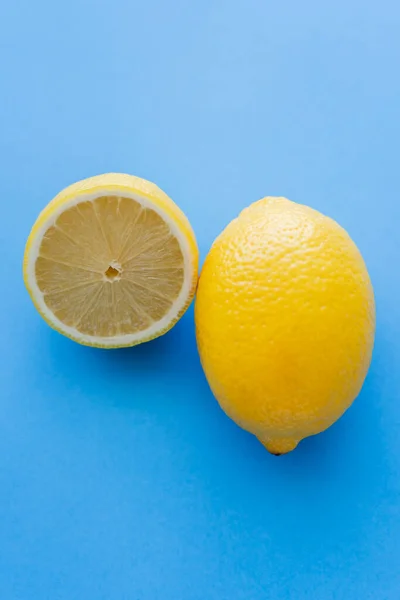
x=285, y=321
x=111, y=262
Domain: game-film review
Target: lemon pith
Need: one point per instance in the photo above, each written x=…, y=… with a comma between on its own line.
x=285, y=321
x=111, y=261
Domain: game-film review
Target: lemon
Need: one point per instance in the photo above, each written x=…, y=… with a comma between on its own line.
x=111, y=261
x=285, y=321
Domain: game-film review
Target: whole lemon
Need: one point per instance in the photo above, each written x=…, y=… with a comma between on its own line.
x=285, y=321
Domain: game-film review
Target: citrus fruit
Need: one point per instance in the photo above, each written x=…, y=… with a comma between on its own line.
x=111, y=261
x=285, y=321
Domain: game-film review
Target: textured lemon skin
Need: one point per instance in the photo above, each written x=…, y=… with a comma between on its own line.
x=285, y=321
x=118, y=183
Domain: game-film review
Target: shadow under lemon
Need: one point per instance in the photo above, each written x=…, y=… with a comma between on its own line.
x=129, y=375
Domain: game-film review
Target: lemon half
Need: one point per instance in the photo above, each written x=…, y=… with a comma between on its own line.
x=111, y=261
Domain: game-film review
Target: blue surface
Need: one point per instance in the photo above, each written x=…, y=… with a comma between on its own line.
x=120, y=478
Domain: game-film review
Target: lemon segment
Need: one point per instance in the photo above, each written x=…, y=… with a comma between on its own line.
x=111, y=262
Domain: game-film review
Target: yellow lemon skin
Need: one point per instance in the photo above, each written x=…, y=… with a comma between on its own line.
x=285, y=321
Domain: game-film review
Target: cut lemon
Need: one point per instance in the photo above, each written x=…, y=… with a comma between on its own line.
x=111, y=262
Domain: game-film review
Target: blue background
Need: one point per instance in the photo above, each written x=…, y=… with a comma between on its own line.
x=120, y=477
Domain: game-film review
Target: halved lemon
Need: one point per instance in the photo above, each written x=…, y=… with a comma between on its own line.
x=111, y=262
